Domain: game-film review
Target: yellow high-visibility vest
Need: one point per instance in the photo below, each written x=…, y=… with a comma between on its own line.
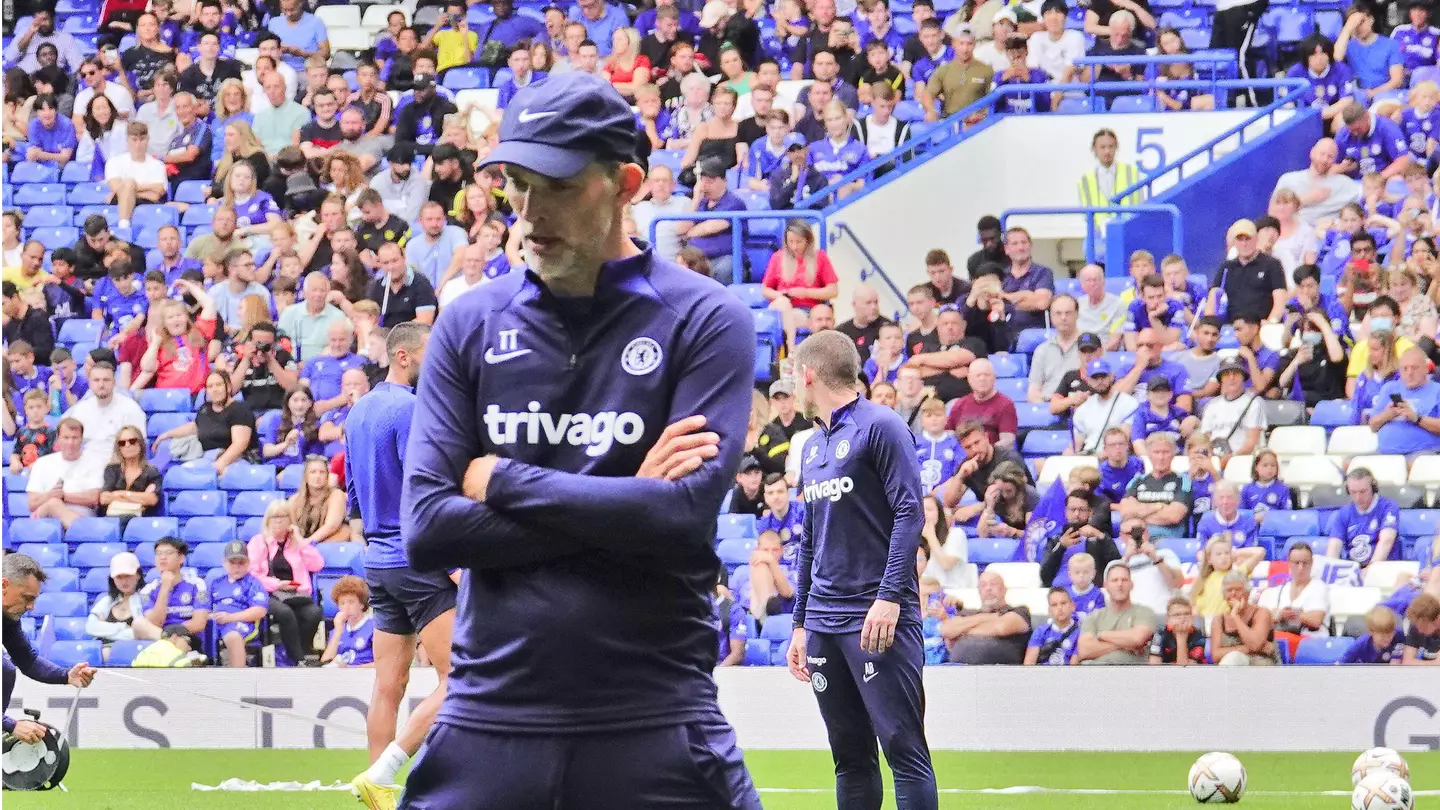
x=1126, y=175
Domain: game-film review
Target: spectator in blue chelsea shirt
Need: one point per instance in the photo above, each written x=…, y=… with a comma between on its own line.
x=1370, y=143
x=178, y=596
x=783, y=515
x=1363, y=530
x=239, y=601
x=1054, y=642
x=1381, y=644
x=1331, y=83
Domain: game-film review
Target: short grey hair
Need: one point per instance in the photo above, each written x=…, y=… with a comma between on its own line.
x=693, y=80
x=1363, y=474
x=1123, y=16
x=833, y=357
x=20, y=567
x=1225, y=485
x=1160, y=440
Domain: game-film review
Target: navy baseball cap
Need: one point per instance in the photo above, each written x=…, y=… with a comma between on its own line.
x=1098, y=368
x=558, y=126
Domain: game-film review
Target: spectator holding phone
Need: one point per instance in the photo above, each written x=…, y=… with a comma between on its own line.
x=1076, y=537
x=283, y=560
x=1409, y=423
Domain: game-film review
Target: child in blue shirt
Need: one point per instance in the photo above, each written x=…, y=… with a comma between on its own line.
x=1265, y=491
x=1159, y=414
x=1381, y=644
x=939, y=451
x=1054, y=643
x=238, y=602
x=1085, y=596
x=352, y=644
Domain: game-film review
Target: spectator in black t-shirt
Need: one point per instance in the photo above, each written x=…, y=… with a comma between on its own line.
x=263, y=371
x=402, y=294
x=224, y=428
x=822, y=21
x=131, y=478
x=748, y=497
x=203, y=78
x=946, y=363
x=27, y=323
x=1422, y=640
x=95, y=242
x=425, y=106
x=981, y=459
x=377, y=226
x=864, y=327
x=947, y=288
x=656, y=45
x=1253, y=282
x=148, y=56
x=992, y=246
x=1121, y=42
x=448, y=175
x=726, y=28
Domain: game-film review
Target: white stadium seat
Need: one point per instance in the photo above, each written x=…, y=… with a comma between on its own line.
x=1382, y=575
x=1425, y=472
x=350, y=39
x=1307, y=472
x=1348, y=600
x=1295, y=440
x=969, y=597
x=1017, y=574
x=1238, y=469
x=339, y=17
x=1180, y=466
x=1037, y=599
x=1060, y=467
x=1353, y=440
x=374, y=18
x=247, y=56
x=1386, y=469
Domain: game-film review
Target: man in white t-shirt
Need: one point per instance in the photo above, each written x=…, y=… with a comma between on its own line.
x=103, y=414
x=92, y=81
x=65, y=485
x=1055, y=49
x=1108, y=408
x=267, y=62
x=1234, y=417
x=136, y=175
x=1155, y=572
x=472, y=275
x=1301, y=605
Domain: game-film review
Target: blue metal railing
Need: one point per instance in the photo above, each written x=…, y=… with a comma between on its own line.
x=873, y=266
x=1177, y=231
x=1240, y=130
x=737, y=235
x=1221, y=61
x=939, y=137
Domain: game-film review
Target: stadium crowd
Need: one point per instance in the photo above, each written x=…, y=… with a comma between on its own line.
x=217, y=210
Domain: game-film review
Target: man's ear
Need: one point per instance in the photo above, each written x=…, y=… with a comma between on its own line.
x=631, y=178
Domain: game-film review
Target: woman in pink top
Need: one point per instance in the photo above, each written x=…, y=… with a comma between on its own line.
x=178, y=354
x=798, y=277
x=283, y=560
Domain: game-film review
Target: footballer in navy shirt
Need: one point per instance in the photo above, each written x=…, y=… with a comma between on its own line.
x=577, y=427
x=858, y=637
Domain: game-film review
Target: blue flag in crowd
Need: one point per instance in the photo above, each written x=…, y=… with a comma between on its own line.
x=1048, y=516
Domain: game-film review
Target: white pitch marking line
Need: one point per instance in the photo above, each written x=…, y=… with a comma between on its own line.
x=1020, y=789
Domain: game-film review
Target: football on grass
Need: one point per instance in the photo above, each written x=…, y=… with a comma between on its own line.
x=1379, y=760
x=1382, y=791
x=1217, y=778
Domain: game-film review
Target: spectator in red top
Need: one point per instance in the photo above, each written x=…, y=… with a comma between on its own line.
x=984, y=404
x=798, y=277
x=627, y=68
x=179, y=352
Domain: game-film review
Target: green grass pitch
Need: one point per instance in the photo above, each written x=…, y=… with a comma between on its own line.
x=160, y=780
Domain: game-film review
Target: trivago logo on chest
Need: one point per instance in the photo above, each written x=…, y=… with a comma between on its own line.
x=597, y=432
x=831, y=489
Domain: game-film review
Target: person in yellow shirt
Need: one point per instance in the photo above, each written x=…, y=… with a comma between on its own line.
x=1380, y=317
x=29, y=273
x=454, y=42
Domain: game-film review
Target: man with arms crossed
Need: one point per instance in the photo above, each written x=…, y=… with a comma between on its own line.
x=406, y=602
x=857, y=638
x=540, y=461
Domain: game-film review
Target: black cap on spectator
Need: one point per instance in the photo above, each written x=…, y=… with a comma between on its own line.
x=1089, y=341
x=402, y=153
x=1160, y=383
x=748, y=464
x=1267, y=221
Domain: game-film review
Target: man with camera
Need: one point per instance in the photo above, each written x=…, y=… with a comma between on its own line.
x=1076, y=536
x=1155, y=572
x=263, y=370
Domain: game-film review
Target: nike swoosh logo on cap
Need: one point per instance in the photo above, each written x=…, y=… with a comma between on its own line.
x=526, y=116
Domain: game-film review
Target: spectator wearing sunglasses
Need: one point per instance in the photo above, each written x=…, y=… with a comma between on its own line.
x=131, y=484
x=92, y=83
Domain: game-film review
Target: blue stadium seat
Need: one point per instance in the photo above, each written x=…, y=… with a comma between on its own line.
x=49, y=555
x=95, y=555
x=149, y=238
x=62, y=580
x=1316, y=543
x=667, y=157
x=206, y=555
x=75, y=172
x=340, y=556
x=1046, y=442
x=122, y=653
x=150, y=529
x=1333, y=413
x=1030, y=339
x=96, y=581
x=197, y=503
x=1318, y=650
x=151, y=216
x=1290, y=523
x=35, y=530
x=89, y=194
x=145, y=553
x=27, y=172
x=79, y=330
x=47, y=216
x=254, y=503
x=190, y=475
x=110, y=212
x=1419, y=522
x=735, y=551
x=208, y=530
x=780, y=649
x=69, y=653
x=291, y=477
x=242, y=477
x=323, y=585
x=93, y=530
x=778, y=627
x=740, y=579
x=757, y=652
x=56, y=238
x=727, y=526
x=199, y=215
x=466, y=78
x=1014, y=387
x=39, y=194
x=69, y=628
x=1186, y=548
x=57, y=603
x=1130, y=104
x=249, y=527
x=1009, y=365
x=768, y=327
x=164, y=400
x=986, y=550
x=1034, y=415
x=191, y=191
x=160, y=422
x=750, y=294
